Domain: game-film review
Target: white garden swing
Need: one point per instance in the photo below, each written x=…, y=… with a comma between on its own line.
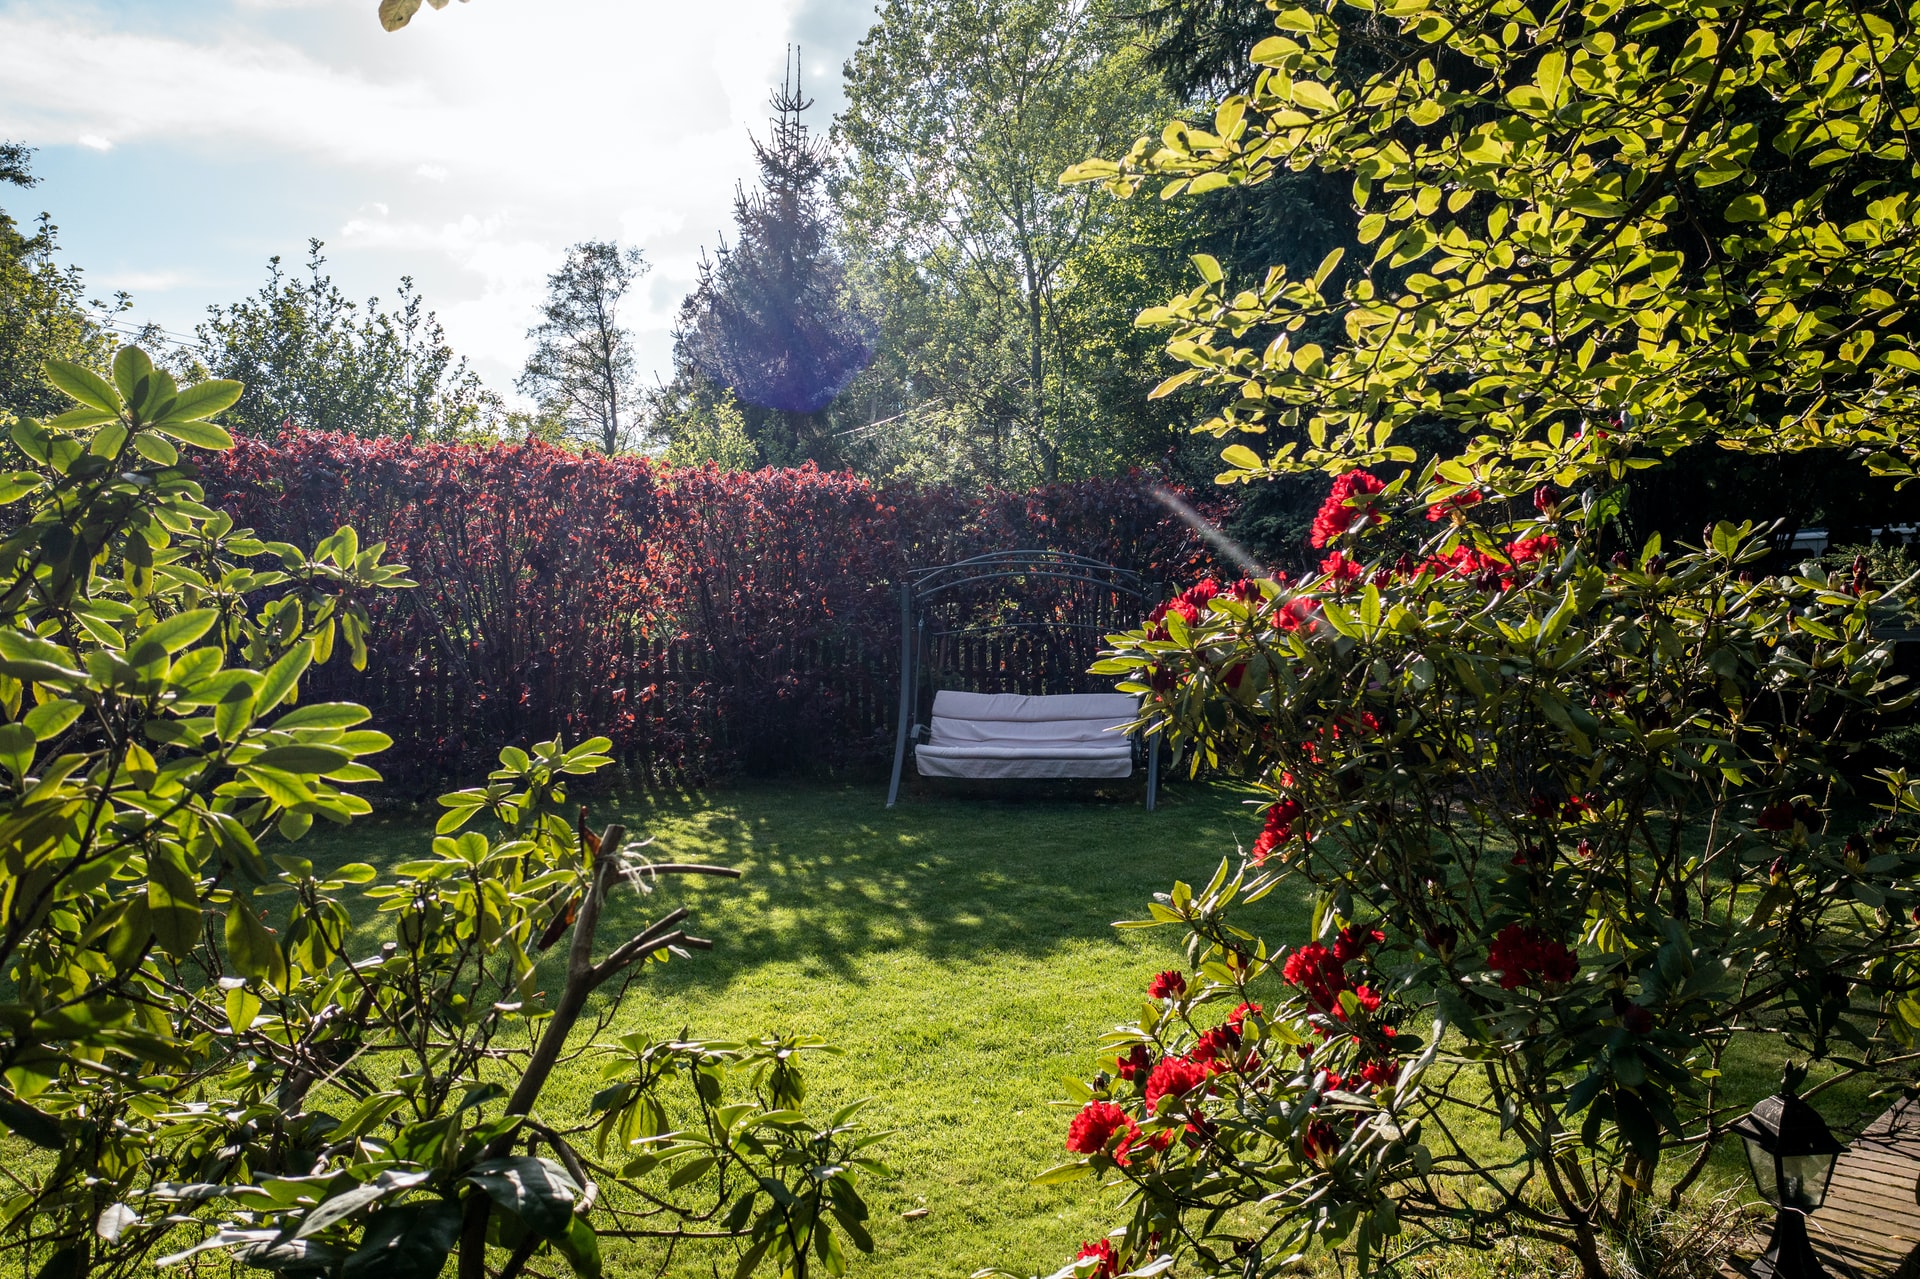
x=1020, y=628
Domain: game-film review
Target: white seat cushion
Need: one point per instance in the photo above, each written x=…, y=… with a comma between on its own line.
x=1000, y=735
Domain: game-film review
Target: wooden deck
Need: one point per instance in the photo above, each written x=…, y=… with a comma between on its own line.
x=1869, y=1227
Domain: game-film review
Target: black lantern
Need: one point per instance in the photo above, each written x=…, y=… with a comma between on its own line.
x=1791, y=1154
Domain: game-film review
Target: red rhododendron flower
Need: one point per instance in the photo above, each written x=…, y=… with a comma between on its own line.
x=1321, y=1138
x=1338, y=568
x=1246, y=590
x=1109, y=1262
x=1352, y=943
x=1238, y=1020
x=1475, y=566
x=1215, y=1049
x=1317, y=973
x=1380, y=1073
x=1135, y=1065
x=1294, y=614
x=1167, y=985
x=1347, y=505
x=1200, y=594
x=1529, y=549
x=1173, y=1077
x=1458, y=502
x=1525, y=956
x=1278, y=829
x=1095, y=1125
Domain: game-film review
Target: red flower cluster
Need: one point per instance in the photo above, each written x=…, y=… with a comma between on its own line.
x=1135, y=1065
x=1094, y=1127
x=1279, y=829
x=1353, y=943
x=1295, y=614
x=1525, y=956
x=1347, y=506
x=1317, y=974
x=1109, y=1261
x=1475, y=566
x=1321, y=1138
x=1174, y=1077
x=1458, y=502
x=1167, y=985
x=1338, y=569
x=1528, y=549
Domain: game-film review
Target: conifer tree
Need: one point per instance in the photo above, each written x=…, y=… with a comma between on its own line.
x=770, y=319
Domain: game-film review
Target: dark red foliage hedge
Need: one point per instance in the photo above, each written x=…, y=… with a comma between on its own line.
x=703, y=620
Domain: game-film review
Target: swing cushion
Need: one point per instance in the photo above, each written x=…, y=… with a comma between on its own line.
x=993, y=735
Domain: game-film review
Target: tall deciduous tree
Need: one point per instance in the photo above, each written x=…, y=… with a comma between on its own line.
x=960, y=119
x=312, y=357
x=770, y=319
x=582, y=369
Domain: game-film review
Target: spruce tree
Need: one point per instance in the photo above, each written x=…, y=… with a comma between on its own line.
x=770, y=319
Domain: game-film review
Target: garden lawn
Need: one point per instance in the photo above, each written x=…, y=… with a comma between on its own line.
x=958, y=950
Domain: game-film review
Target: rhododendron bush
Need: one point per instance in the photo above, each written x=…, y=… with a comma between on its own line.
x=1582, y=816
x=700, y=619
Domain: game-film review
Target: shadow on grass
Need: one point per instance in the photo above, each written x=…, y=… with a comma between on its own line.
x=832, y=875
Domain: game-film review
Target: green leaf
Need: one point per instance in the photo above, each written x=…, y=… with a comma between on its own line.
x=325, y=715
x=50, y=719
x=24, y=1121
x=173, y=634
x=1746, y=208
x=203, y=400
x=83, y=385
x=251, y=948
x=17, y=485
x=203, y=434
x=282, y=677
x=16, y=750
x=301, y=759
x=538, y=1191
x=395, y=14
x=407, y=1241
x=173, y=901
x=581, y=1247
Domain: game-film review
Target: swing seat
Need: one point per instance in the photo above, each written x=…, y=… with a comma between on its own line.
x=1007, y=735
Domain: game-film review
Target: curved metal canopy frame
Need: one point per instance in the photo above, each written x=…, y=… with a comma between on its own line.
x=932, y=601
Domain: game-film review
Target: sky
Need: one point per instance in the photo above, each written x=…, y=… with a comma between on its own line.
x=183, y=143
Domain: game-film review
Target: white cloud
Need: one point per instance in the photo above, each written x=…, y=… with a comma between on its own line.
x=469, y=150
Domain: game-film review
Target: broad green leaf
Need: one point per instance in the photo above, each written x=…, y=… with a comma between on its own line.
x=251, y=948
x=202, y=400
x=538, y=1191
x=202, y=434
x=84, y=385
x=173, y=901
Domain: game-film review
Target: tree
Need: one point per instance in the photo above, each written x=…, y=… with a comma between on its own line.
x=206, y=1045
x=44, y=312
x=1574, y=809
x=310, y=357
x=770, y=319
x=581, y=369
x=958, y=123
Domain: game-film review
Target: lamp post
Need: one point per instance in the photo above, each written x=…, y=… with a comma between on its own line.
x=1791, y=1155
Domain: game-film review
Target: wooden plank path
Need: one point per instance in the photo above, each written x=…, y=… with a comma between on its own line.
x=1869, y=1227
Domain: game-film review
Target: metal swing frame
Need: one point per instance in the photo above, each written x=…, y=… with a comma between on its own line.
x=926, y=586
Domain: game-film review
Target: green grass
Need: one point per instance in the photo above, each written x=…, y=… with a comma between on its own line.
x=958, y=950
